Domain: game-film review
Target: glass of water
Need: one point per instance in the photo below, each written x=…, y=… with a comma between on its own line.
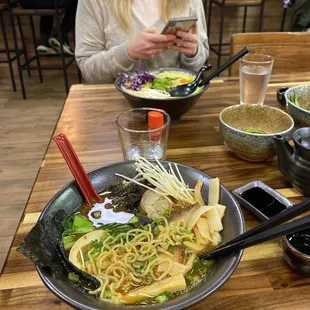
x=255, y=71
x=143, y=132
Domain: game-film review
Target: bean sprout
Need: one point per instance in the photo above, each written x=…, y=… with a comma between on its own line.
x=167, y=183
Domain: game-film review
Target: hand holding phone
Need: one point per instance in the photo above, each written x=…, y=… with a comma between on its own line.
x=179, y=23
x=186, y=31
x=148, y=44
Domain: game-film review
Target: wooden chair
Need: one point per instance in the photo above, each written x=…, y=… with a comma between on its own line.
x=290, y=50
x=227, y=4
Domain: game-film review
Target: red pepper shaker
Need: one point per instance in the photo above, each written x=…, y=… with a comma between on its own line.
x=155, y=120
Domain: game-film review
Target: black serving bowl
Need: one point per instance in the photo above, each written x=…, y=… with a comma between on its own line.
x=70, y=199
x=174, y=106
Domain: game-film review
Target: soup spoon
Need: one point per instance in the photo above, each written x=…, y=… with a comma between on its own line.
x=94, y=201
x=187, y=89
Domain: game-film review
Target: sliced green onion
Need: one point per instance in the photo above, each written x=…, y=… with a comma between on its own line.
x=161, y=298
x=107, y=294
x=190, y=278
x=152, y=258
x=73, y=277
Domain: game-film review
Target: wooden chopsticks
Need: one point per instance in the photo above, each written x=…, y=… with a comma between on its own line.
x=266, y=231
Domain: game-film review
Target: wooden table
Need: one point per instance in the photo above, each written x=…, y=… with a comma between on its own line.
x=262, y=280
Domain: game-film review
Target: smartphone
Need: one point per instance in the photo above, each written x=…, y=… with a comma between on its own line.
x=261, y=200
x=179, y=23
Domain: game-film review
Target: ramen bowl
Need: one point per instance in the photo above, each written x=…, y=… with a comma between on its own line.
x=174, y=106
x=248, y=130
x=70, y=199
x=297, y=101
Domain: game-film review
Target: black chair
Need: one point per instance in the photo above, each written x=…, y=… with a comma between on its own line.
x=10, y=53
x=17, y=12
x=283, y=19
x=225, y=4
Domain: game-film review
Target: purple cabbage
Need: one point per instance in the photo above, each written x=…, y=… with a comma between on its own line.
x=134, y=82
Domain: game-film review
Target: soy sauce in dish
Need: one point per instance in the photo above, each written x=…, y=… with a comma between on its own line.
x=301, y=241
x=263, y=201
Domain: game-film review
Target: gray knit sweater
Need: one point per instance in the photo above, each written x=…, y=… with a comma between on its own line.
x=101, y=43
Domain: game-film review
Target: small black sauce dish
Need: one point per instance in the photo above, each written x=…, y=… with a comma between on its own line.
x=264, y=202
x=296, y=251
x=261, y=200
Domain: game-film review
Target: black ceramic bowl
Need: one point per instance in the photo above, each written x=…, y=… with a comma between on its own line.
x=174, y=106
x=298, y=261
x=70, y=198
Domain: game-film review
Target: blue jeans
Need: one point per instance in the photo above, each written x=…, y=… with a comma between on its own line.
x=46, y=22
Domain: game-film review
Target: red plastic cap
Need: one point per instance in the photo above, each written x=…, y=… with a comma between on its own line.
x=155, y=119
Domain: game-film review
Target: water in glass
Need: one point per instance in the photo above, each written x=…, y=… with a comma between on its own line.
x=145, y=149
x=253, y=83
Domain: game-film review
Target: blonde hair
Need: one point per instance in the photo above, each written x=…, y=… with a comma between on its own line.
x=167, y=9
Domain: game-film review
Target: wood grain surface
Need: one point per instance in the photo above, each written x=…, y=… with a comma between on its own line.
x=26, y=127
x=290, y=50
x=261, y=281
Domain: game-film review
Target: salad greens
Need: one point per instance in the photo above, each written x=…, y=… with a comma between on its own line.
x=294, y=99
x=134, y=82
x=253, y=130
x=163, y=83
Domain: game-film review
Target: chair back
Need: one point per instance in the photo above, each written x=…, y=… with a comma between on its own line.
x=243, y=2
x=290, y=50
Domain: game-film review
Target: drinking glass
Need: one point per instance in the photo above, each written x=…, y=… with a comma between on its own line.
x=143, y=132
x=255, y=71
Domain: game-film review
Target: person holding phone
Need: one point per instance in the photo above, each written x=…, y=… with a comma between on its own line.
x=114, y=36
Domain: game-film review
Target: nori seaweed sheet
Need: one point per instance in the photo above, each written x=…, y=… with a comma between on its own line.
x=126, y=196
x=43, y=246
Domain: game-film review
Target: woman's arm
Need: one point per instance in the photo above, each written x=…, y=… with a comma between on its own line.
x=96, y=63
x=202, y=54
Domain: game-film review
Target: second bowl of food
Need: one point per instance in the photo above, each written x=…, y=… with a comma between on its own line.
x=248, y=130
x=151, y=89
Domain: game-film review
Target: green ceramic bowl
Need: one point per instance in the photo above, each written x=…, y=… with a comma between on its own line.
x=248, y=130
x=301, y=111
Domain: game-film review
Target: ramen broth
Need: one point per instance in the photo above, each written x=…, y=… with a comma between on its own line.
x=149, y=259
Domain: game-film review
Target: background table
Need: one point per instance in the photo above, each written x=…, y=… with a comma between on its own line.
x=262, y=280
